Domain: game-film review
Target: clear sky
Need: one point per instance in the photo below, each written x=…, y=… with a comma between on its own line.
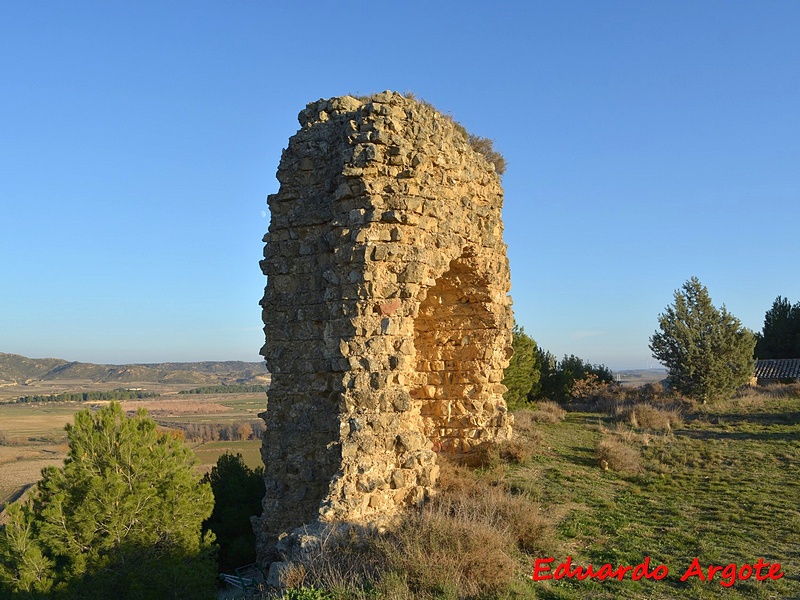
x=646, y=142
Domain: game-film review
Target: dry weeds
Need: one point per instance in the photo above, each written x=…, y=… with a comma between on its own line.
x=614, y=454
x=646, y=416
x=468, y=541
x=525, y=420
x=548, y=412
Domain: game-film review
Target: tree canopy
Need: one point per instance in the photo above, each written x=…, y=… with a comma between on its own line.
x=534, y=373
x=521, y=377
x=238, y=493
x=780, y=336
x=122, y=518
x=559, y=377
x=707, y=351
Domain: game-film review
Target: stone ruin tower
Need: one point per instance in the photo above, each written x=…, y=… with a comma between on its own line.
x=386, y=312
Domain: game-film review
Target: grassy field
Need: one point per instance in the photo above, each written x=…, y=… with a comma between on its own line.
x=721, y=486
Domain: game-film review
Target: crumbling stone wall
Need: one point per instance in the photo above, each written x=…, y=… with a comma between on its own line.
x=386, y=311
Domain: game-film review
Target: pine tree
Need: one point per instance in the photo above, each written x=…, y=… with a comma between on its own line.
x=121, y=518
x=521, y=377
x=707, y=351
x=238, y=493
x=780, y=337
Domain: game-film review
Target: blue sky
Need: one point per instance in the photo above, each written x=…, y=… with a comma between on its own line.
x=646, y=142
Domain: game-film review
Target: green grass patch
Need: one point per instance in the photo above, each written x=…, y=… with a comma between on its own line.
x=247, y=404
x=723, y=487
x=209, y=452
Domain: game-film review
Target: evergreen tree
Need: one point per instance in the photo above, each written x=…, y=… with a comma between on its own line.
x=238, y=493
x=521, y=377
x=780, y=337
x=707, y=351
x=121, y=519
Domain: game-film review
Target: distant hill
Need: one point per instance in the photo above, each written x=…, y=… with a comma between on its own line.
x=20, y=369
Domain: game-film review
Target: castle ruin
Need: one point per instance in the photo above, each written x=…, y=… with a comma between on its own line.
x=386, y=312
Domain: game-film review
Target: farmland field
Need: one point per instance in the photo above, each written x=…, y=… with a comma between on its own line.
x=32, y=435
x=208, y=452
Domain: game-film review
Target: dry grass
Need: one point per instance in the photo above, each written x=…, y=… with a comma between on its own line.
x=485, y=146
x=614, y=454
x=548, y=412
x=748, y=399
x=468, y=541
x=454, y=546
x=646, y=416
x=20, y=466
x=490, y=455
x=777, y=390
x=527, y=442
x=523, y=421
x=18, y=475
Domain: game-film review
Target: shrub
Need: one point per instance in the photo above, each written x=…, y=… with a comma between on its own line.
x=521, y=376
x=305, y=593
x=548, y=412
x=651, y=417
x=592, y=394
x=491, y=454
x=651, y=391
x=615, y=455
x=572, y=380
x=780, y=336
x=707, y=351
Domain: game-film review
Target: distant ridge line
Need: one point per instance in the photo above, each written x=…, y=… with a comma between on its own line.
x=21, y=369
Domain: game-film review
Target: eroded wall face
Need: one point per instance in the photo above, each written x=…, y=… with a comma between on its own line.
x=386, y=312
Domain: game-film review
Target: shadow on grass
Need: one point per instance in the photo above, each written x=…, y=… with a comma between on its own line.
x=763, y=436
x=581, y=455
x=582, y=418
x=765, y=419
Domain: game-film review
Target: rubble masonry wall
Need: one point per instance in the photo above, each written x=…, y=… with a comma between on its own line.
x=386, y=311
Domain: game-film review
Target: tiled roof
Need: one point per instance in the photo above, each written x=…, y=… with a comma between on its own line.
x=785, y=368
